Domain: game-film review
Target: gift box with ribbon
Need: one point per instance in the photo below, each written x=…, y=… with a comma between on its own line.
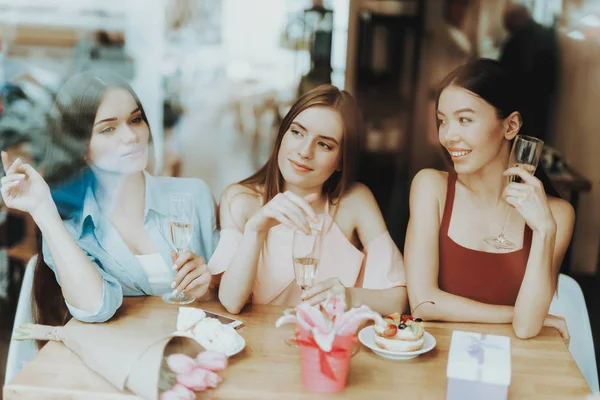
x=478, y=366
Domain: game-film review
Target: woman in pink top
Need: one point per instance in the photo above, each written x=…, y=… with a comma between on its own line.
x=310, y=172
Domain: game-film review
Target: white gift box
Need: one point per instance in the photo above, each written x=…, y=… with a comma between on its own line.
x=478, y=366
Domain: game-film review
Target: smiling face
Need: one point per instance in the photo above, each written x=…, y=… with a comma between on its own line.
x=119, y=141
x=469, y=128
x=310, y=150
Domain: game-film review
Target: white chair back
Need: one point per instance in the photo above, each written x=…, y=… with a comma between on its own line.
x=569, y=303
x=20, y=352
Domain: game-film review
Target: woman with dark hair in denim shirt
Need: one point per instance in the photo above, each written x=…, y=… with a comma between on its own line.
x=102, y=217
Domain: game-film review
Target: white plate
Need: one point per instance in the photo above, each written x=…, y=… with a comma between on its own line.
x=207, y=347
x=240, y=348
x=367, y=338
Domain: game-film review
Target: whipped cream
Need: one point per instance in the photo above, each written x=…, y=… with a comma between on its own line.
x=188, y=317
x=209, y=332
x=215, y=336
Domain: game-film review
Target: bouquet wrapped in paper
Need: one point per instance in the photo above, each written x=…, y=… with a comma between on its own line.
x=326, y=334
x=150, y=364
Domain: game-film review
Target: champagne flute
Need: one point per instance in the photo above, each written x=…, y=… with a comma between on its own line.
x=306, y=254
x=526, y=152
x=181, y=227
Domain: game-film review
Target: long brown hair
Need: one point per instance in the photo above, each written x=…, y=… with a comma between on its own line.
x=269, y=176
x=68, y=174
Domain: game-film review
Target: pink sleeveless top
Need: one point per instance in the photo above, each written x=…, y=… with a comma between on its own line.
x=378, y=266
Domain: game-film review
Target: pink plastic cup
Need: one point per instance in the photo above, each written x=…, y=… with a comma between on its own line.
x=313, y=378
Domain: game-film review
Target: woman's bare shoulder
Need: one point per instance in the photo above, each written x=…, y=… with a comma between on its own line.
x=563, y=212
x=238, y=203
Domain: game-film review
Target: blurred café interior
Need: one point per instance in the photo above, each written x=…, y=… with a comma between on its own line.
x=216, y=77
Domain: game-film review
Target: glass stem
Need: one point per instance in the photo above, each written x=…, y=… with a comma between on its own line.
x=501, y=235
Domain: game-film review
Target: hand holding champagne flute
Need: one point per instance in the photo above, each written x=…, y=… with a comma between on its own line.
x=525, y=154
x=181, y=226
x=306, y=255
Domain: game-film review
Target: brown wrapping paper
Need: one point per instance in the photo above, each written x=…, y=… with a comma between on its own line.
x=126, y=357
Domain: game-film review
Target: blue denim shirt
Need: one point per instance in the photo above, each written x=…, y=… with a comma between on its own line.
x=121, y=272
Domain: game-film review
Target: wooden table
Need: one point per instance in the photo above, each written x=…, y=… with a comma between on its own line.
x=269, y=369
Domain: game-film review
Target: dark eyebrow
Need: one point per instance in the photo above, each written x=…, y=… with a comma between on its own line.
x=114, y=118
x=105, y=120
x=321, y=136
x=329, y=138
x=466, y=109
x=299, y=124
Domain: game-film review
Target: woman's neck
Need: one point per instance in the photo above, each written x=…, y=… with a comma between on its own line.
x=488, y=183
x=303, y=192
x=118, y=193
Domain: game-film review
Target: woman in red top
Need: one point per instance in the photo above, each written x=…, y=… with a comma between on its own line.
x=447, y=261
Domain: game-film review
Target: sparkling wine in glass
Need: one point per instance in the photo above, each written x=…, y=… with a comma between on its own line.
x=181, y=233
x=181, y=226
x=305, y=269
x=525, y=153
x=306, y=254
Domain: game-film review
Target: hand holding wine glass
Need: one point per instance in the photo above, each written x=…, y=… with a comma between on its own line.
x=286, y=208
x=524, y=158
x=306, y=255
x=192, y=277
x=319, y=292
x=529, y=199
x=181, y=227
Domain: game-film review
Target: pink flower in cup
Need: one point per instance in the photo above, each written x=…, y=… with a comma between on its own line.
x=334, y=305
x=328, y=320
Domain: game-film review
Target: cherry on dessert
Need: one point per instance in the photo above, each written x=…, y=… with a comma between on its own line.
x=390, y=331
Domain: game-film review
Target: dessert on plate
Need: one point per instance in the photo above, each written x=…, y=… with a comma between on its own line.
x=400, y=333
x=209, y=332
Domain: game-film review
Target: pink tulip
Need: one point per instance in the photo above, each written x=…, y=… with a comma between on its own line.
x=324, y=339
x=178, y=392
x=348, y=323
x=286, y=319
x=199, y=379
x=211, y=360
x=180, y=363
x=313, y=317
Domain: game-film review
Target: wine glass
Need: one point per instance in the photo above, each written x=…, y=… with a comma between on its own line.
x=306, y=254
x=181, y=227
x=526, y=152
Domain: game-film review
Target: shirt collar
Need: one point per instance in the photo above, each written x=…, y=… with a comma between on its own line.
x=90, y=210
x=155, y=201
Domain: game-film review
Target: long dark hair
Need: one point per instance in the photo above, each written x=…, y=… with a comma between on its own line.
x=269, y=176
x=491, y=82
x=67, y=172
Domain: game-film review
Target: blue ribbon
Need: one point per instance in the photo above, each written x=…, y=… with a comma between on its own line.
x=476, y=349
